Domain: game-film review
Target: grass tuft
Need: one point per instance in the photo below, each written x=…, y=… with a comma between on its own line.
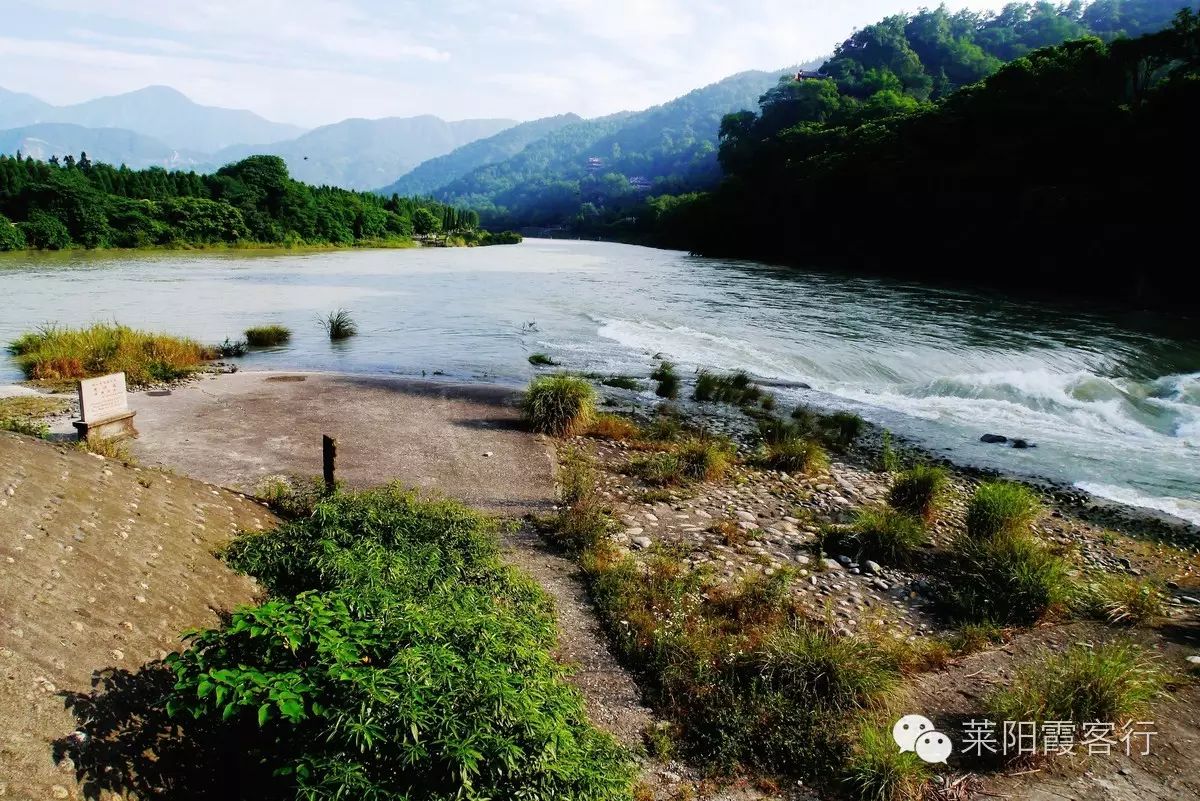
x=68, y=354
x=612, y=427
x=737, y=388
x=879, y=771
x=1000, y=508
x=1110, y=682
x=621, y=382
x=668, y=381
x=266, y=336
x=1125, y=600
x=919, y=490
x=1011, y=579
x=542, y=360
x=559, y=405
x=339, y=325
x=889, y=536
x=113, y=448
x=706, y=459
x=794, y=456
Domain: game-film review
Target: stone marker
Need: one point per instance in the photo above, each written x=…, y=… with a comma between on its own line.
x=103, y=409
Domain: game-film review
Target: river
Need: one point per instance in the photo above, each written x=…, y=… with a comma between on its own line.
x=1111, y=400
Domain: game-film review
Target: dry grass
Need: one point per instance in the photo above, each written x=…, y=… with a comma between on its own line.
x=265, y=336
x=67, y=354
x=115, y=449
x=612, y=427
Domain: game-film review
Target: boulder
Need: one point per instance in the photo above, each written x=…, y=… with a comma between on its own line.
x=993, y=439
x=1022, y=444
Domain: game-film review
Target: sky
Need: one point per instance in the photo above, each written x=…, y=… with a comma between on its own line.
x=312, y=62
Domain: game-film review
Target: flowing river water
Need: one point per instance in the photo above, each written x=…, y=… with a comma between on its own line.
x=1111, y=400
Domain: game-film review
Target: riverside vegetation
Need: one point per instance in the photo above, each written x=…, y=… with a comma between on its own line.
x=77, y=203
x=736, y=621
x=396, y=657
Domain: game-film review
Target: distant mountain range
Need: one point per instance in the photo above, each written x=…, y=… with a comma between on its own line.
x=160, y=127
x=364, y=154
x=156, y=111
x=667, y=148
x=493, y=164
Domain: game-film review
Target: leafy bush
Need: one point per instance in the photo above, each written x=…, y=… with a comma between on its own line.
x=1110, y=682
x=559, y=405
x=11, y=237
x=56, y=354
x=879, y=771
x=917, y=491
x=45, y=231
x=888, y=535
x=339, y=325
x=1006, y=580
x=398, y=658
x=1000, y=507
x=888, y=457
x=541, y=360
x=668, y=381
x=266, y=336
x=794, y=456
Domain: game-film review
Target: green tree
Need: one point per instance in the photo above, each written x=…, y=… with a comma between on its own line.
x=11, y=237
x=425, y=223
x=45, y=231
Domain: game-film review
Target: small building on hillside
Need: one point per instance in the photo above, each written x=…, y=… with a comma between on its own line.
x=809, y=75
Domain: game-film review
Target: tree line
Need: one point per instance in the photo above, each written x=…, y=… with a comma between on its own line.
x=72, y=202
x=1070, y=168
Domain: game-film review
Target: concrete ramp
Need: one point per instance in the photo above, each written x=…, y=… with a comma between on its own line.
x=101, y=567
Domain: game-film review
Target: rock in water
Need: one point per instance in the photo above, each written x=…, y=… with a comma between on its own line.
x=993, y=439
x=1021, y=444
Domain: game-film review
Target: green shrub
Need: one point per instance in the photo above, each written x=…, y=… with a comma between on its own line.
x=999, y=508
x=879, y=771
x=339, y=325
x=794, y=456
x=559, y=405
x=1109, y=682
x=888, y=535
x=11, y=237
x=668, y=381
x=265, y=336
x=665, y=427
x=918, y=490
x=45, y=231
x=542, y=360
x=774, y=431
x=399, y=657
x=58, y=354
x=1007, y=580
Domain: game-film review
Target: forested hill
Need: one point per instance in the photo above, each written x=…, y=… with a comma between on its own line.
x=593, y=164
x=435, y=173
x=1071, y=169
x=904, y=63
x=78, y=203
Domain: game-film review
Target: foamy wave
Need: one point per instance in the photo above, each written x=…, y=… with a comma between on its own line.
x=1183, y=509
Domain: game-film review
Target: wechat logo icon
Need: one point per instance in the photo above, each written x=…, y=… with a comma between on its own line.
x=916, y=733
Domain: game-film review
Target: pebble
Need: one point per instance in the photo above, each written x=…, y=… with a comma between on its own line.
x=640, y=543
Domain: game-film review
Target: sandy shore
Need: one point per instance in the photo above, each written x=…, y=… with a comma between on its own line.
x=462, y=440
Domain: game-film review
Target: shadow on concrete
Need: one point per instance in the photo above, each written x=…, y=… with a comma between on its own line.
x=127, y=744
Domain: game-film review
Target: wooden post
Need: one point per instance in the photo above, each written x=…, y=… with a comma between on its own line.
x=328, y=460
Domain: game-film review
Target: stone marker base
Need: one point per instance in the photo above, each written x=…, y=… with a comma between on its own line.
x=117, y=427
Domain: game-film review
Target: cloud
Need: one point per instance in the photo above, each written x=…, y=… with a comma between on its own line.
x=317, y=61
